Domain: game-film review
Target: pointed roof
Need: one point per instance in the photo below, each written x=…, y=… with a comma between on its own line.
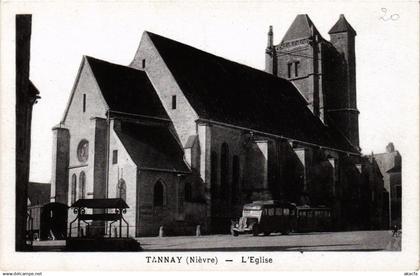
x=302, y=27
x=152, y=147
x=342, y=26
x=126, y=89
x=228, y=92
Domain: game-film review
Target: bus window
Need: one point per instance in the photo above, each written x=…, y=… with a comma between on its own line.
x=309, y=214
x=302, y=213
x=286, y=212
x=271, y=212
x=279, y=212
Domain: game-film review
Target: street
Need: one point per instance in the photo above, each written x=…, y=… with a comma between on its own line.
x=320, y=241
x=325, y=241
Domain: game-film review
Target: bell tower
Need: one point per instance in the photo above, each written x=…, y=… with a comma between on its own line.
x=343, y=112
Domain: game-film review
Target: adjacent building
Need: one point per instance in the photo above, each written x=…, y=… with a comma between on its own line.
x=389, y=163
x=26, y=96
x=186, y=137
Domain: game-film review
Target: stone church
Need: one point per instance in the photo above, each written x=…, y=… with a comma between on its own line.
x=186, y=137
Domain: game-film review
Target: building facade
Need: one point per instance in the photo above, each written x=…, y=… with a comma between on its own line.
x=390, y=165
x=187, y=138
x=26, y=97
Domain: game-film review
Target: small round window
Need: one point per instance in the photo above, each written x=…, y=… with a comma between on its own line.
x=83, y=151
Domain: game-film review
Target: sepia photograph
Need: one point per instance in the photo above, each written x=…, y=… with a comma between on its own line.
x=210, y=135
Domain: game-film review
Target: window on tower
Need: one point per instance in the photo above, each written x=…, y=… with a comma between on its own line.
x=296, y=68
x=289, y=70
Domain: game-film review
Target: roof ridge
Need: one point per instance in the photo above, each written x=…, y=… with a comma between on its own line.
x=223, y=58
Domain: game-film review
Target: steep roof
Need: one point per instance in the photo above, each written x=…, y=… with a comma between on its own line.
x=126, y=89
x=152, y=147
x=342, y=26
x=39, y=193
x=229, y=92
x=302, y=27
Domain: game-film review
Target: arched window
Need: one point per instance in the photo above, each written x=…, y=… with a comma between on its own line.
x=158, y=194
x=82, y=184
x=121, y=189
x=235, y=178
x=187, y=192
x=73, y=188
x=224, y=170
x=214, y=168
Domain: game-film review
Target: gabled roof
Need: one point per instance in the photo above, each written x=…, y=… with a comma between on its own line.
x=126, y=89
x=152, y=147
x=232, y=93
x=342, y=26
x=302, y=27
x=39, y=193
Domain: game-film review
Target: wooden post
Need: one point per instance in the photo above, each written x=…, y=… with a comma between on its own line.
x=78, y=223
x=120, y=223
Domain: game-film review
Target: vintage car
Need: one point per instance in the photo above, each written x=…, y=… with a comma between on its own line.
x=265, y=217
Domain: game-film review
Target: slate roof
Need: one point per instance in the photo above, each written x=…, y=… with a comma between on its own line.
x=126, y=89
x=39, y=193
x=301, y=28
x=152, y=146
x=229, y=92
x=342, y=26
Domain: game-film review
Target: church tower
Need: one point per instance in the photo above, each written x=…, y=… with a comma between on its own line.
x=298, y=59
x=323, y=71
x=344, y=112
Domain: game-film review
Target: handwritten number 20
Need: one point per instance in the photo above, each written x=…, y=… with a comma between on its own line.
x=386, y=17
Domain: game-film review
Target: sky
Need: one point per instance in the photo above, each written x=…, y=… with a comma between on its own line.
x=386, y=53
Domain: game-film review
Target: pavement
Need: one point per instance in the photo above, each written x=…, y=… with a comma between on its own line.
x=316, y=241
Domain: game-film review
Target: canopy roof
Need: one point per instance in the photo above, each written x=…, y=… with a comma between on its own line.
x=101, y=203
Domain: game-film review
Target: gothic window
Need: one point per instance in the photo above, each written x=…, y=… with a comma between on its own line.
x=82, y=185
x=187, y=192
x=73, y=188
x=174, y=102
x=158, y=194
x=235, y=178
x=224, y=170
x=114, y=156
x=296, y=68
x=84, y=103
x=213, y=173
x=121, y=189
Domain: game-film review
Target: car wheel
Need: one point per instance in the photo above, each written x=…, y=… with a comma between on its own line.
x=234, y=232
x=255, y=230
x=266, y=233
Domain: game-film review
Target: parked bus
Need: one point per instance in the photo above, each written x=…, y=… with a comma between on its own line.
x=266, y=217
x=273, y=216
x=311, y=219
